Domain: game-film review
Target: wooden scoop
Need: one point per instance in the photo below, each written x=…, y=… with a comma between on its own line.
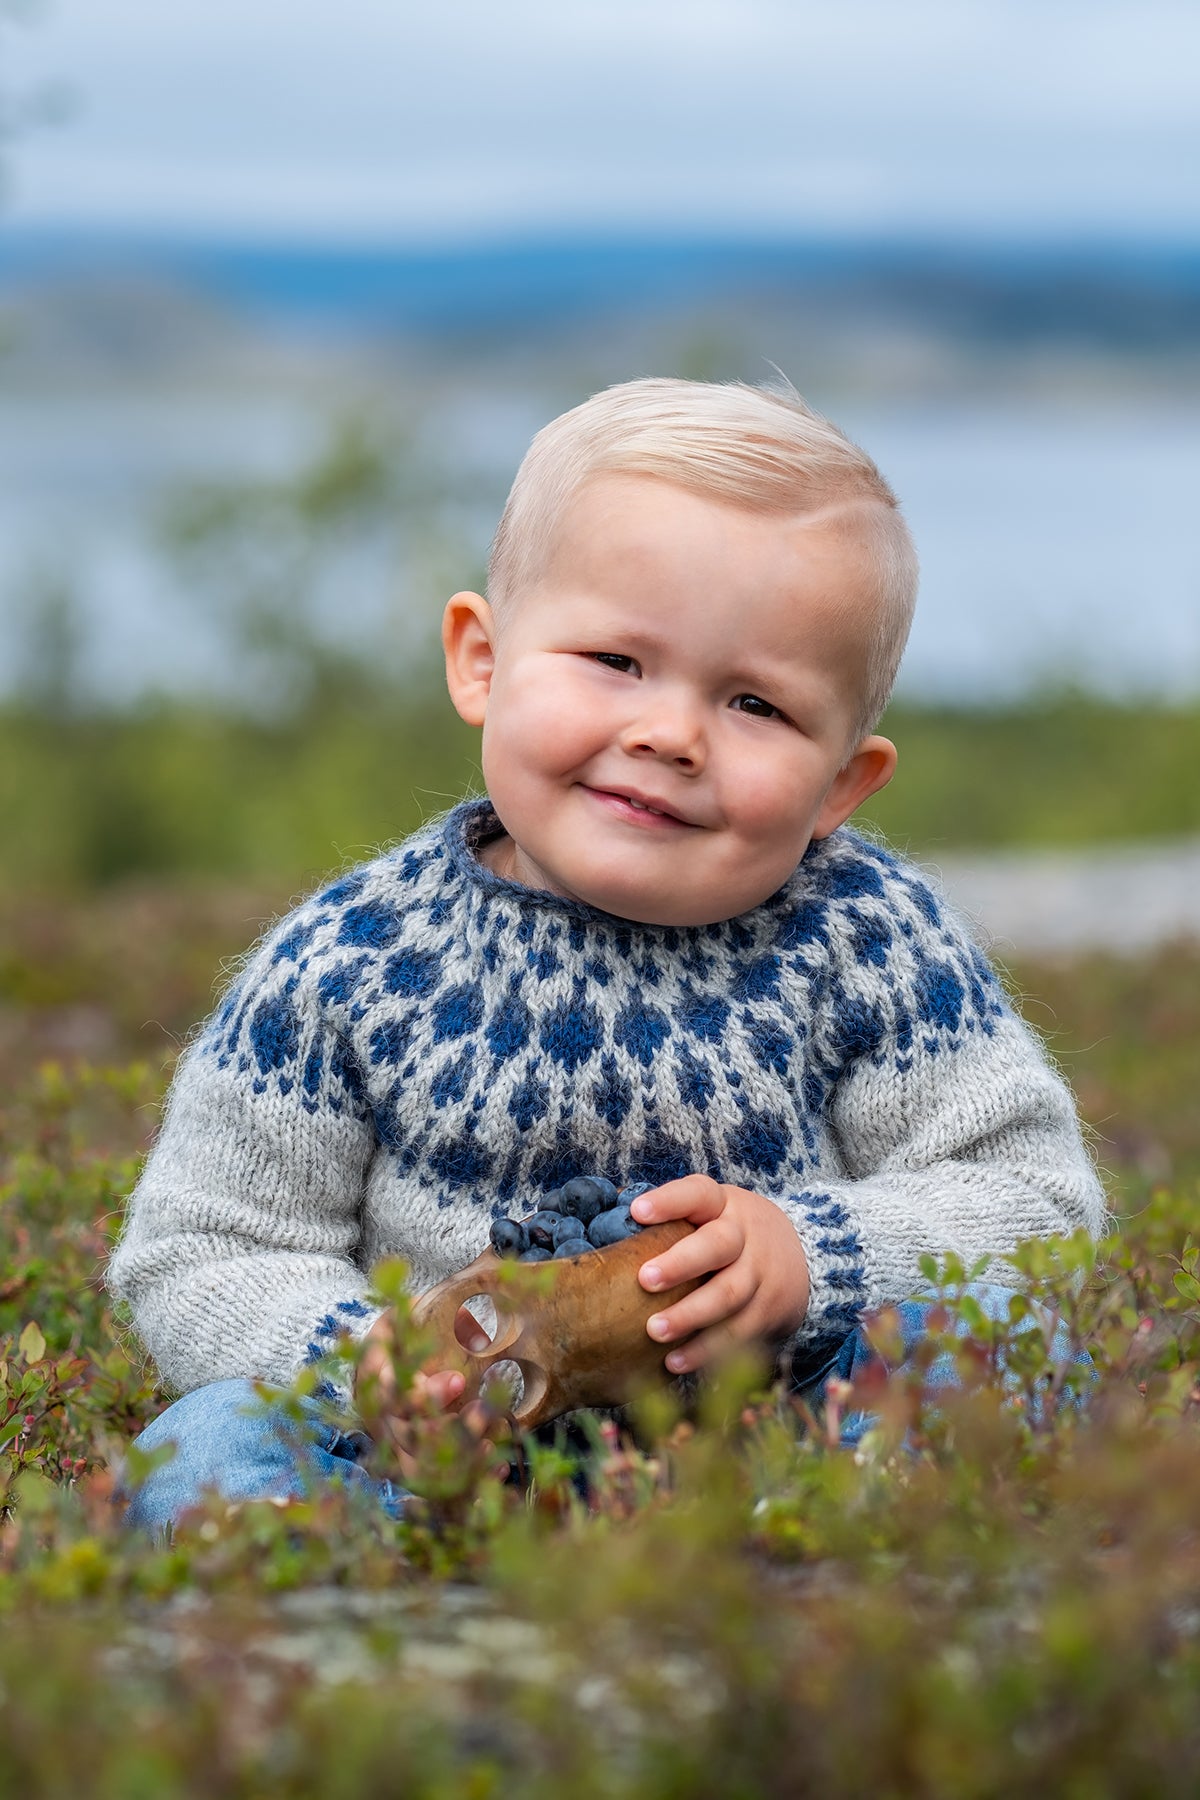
x=575, y=1327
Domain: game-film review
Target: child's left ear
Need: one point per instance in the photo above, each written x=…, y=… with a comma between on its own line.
x=869, y=769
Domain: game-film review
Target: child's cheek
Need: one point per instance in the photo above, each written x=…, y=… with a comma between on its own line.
x=773, y=808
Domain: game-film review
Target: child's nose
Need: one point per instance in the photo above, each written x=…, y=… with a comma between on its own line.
x=669, y=729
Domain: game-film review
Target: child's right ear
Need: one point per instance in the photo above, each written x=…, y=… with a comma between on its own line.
x=468, y=638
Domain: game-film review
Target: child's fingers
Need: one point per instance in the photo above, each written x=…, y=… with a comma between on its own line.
x=470, y=1332
x=712, y=1246
x=717, y=1301
x=438, y=1390
x=706, y=1347
x=695, y=1197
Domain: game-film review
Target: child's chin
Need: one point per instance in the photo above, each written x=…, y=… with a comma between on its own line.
x=643, y=906
x=613, y=881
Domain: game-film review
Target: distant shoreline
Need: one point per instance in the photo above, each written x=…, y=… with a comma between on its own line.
x=1127, y=295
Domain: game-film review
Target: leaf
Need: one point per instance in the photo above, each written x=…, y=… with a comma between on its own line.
x=139, y=1465
x=1187, y=1285
x=971, y=1314
x=34, y=1493
x=32, y=1386
x=31, y=1343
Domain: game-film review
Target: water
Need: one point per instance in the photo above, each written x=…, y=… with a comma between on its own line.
x=1052, y=548
x=1055, y=544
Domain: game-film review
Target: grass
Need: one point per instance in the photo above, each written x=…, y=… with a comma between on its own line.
x=1010, y=1604
x=1061, y=770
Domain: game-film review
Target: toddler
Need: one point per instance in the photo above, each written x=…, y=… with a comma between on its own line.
x=654, y=951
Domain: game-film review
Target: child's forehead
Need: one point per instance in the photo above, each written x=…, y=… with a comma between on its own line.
x=639, y=568
x=620, y=525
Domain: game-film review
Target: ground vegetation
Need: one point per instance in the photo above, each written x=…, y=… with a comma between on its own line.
x=992, y=1594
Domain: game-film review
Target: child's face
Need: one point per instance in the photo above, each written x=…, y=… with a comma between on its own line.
x=667, y=713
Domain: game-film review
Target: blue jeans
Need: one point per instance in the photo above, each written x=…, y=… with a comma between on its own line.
x=226, y=1440
x=854, y=1355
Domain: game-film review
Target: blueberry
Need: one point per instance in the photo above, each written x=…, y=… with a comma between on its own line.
x=629, y=1194
x=586, y=1196
x=612, y=1226
x=508, y=1237
x=553, y=1202
x=544, y=1229
x=572, y=1246
x=535, y=1253
x=571, y=1228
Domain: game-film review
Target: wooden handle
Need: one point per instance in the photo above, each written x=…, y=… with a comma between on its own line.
x=437, y=1310
x=511, y=1293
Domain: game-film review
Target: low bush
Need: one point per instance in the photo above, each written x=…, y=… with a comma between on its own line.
x=998, y=1592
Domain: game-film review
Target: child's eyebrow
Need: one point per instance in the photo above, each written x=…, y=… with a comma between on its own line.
x=633, y=635
x=799, y=690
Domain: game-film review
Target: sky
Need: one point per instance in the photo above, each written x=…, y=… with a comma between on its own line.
x=410, y=120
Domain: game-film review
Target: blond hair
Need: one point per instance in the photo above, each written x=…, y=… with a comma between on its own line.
x=761, y=448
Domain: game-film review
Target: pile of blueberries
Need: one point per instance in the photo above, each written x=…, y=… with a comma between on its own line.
x=586, y=1213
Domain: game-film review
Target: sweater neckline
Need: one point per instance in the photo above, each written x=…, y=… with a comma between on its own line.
x=473, y=823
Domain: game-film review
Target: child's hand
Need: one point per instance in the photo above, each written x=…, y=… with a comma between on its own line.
x=431, y=1393
x=749, y=1248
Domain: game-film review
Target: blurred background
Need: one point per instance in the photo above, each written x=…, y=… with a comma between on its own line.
x=286, y=289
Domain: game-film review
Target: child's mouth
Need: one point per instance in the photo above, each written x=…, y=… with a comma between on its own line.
x=637, y=810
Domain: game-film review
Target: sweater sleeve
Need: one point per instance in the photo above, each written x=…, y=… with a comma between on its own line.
x=238, y=1255
x=955, y=1133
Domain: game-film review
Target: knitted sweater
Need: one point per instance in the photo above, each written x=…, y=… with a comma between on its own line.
x=424, y=1045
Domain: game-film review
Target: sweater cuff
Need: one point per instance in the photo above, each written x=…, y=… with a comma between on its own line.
x=346, y=1316
x=837, y=1275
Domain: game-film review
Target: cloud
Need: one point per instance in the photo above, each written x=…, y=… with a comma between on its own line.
x=989, y=114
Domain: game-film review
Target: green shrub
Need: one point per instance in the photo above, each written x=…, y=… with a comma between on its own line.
x=996, y=1593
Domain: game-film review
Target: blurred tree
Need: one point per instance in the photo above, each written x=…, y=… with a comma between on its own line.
x=50, y=656
x=270, y=560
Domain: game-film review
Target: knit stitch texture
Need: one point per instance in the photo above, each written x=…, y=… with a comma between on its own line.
x=424, y=1045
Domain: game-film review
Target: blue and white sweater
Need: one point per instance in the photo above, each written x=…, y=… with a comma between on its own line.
x=424, y=1045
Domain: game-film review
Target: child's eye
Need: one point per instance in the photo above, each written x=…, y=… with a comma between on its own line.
x=611, y=660
x=758, y=709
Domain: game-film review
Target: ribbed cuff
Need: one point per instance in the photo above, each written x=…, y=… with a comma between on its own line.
x=837, y=1276
x=353, y=1316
